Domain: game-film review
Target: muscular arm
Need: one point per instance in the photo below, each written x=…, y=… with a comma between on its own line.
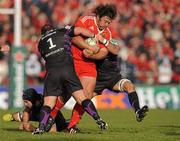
x=83, y=31
x=112, y=46
x=114, y=49
x=26, y=115
x=26, y=125
x=98, y=56
x=79, y=41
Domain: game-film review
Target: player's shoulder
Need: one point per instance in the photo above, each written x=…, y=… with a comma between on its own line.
x=84, y=19
x=49, y=34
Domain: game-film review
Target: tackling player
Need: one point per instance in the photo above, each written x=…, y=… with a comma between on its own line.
x=55, y=47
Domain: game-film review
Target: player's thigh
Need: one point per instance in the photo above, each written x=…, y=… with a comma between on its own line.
x=53, y=83
x=65, y=95
x=114, y=82
x=107, y=80
x=71, y=82
x=88, y=84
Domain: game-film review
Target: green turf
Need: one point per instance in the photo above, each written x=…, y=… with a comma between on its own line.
x=159, y=125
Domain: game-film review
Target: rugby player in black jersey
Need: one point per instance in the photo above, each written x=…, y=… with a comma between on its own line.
x=54, y=47
x=33, y=101
x=108, y=76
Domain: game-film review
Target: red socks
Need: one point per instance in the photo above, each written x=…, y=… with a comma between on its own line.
x=78, y=111
x=57, y=107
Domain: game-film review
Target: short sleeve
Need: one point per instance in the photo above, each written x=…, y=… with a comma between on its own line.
x=80, y=23
x=70, y=30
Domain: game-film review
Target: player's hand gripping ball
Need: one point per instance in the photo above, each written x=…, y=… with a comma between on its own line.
x=92, y=42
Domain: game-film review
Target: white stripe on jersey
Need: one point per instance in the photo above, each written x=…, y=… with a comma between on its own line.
x=110, y=33
x=86, y=18
x=47, y=35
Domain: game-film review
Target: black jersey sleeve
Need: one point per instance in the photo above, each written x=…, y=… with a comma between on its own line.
x=70, y=30
x=40, y=46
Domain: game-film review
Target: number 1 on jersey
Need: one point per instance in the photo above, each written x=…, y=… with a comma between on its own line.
x=51, y=43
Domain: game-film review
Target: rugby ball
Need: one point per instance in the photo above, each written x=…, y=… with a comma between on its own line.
x=91, y=41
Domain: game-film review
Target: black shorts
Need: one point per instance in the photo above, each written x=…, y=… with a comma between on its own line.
x=106, y=81
x=59, y=78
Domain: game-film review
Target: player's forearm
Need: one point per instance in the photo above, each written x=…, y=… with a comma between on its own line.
x=79, y=41
x=84, y=32
x=25, y=117
x=113, y=48
x=98, y=56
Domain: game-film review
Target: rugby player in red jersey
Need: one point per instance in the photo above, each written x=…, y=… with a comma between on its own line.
x=86, y=68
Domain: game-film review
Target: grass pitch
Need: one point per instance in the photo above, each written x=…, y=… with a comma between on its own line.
x=159, y=125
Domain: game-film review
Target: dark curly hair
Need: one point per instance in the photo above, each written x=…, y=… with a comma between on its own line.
x=108, y=10
x=32, y=95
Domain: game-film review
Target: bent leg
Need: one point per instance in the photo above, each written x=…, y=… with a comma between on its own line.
x=89, y=107
x=49, y=102
x=88, y=84
x=127, y=86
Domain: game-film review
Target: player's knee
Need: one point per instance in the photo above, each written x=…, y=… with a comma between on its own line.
x=50, y=101
x=126, y=85
x=88, y=95
x=129, y=87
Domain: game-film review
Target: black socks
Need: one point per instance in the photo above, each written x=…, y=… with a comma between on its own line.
x=89, y=107
x=134, y=101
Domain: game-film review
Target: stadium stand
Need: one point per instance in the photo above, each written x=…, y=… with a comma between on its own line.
x=149, y=30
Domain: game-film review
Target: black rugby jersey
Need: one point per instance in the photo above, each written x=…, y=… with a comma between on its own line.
x=55, y=47
x=36, y=107
x=108, y=65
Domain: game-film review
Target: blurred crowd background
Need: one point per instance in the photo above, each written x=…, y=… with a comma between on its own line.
x=148, y=30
